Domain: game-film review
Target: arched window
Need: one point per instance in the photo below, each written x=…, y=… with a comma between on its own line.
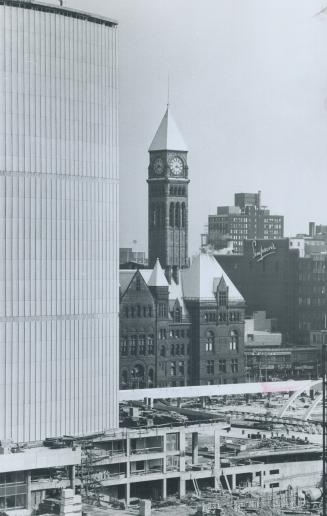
x=142, y=347
x=137, y=374
x=154, y=217
x=172, y=350
x=177, y=315
x=133, y=349
x=233, y=341
x=124, y=379
x=162, y=351
x=177, y=215
x=163, y=215
x=150, y=377
x=172, y=215
x=151, y=344
x=179, y=191
x=139, y=311
x=183, y=215
x=210, y=344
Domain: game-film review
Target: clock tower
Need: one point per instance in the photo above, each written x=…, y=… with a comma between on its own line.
x=168, y=196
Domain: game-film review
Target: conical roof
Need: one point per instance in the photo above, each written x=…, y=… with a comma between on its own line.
x=157, y=278
x=168, y=136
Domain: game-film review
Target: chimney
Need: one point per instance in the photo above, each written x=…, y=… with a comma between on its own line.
x=176, y=274
x=168, y=274
x=312, y=229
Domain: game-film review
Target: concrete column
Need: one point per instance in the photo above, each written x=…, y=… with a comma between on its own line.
x=203, y=402
x=164, y=447
x=182, y=488
x=182, y=446
x=217, y=458
x=128, y=493
x=195, y=447
x=72, y=477
x=128, y=454
x=164, y=488
x=29, y=491
x=233, y=486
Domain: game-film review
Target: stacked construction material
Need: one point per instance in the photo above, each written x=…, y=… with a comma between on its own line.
x=70, y=504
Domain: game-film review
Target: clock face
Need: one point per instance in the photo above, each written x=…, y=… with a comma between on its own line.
x=176, y=166
x=158, y=166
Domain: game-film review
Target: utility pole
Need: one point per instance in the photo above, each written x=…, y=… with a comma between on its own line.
x=323, y=372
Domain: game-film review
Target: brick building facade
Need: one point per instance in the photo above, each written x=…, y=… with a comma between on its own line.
x=180, y=327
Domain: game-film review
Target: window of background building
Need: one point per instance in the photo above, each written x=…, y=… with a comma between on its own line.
x=210, y=367
x=222, y=298
x=222, y=366
x=178, y=315
x=210, y=341
x=124, y=346
x=134, y=345
x=162, y=334
x=181, y=368
x=150, y=377
x=151, y=344
x=172, y=368
x=233, y=341
x=142, y=347
x=124, y=377
x=234, y=365
x=162, y=310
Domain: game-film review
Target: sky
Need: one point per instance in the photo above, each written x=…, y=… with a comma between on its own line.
x=248, y=90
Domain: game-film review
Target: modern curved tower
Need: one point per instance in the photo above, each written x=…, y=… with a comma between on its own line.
x=58, y=222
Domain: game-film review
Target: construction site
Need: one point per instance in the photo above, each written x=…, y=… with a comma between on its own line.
x=226, y=456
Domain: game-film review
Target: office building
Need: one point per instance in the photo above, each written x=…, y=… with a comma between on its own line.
x=58, y=223
x=247, y=219
x=127, y=255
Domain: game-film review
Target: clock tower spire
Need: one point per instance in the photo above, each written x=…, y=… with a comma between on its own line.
x=168, y=196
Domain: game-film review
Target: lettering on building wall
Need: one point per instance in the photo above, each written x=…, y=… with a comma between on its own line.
x=259, y=253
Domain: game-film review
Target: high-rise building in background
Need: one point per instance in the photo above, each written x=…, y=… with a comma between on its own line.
x=247, y=219
x=58, y=222
x=168, y=196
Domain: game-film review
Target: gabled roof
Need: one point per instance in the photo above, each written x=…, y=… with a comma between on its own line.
x=200, y=281
x=125, y=277
x=168, y=136
x=176, y=292
x=158, y=278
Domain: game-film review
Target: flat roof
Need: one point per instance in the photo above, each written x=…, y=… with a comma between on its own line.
x=60, y=9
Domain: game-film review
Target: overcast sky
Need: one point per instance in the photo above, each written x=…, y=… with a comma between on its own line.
x=248, y=91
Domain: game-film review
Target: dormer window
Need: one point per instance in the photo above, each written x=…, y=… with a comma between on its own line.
x=178, y=314
x=222, y=298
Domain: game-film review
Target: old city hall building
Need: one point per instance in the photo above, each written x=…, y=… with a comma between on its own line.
x=181, y=323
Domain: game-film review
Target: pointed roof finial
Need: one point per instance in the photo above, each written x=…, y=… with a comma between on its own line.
x=157, y=278
x=168, y=136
